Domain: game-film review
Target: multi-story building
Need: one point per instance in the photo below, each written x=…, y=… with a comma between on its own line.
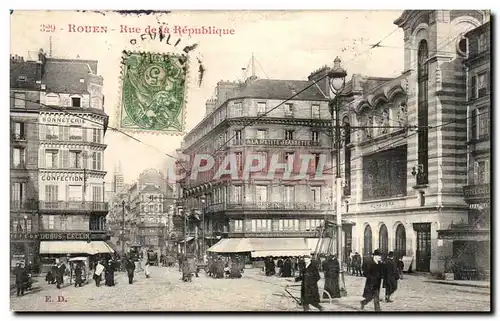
x=25, y=87
x=262, y=208
x=408, y=156
x=118, y=180
x=471, y=238
x=72, y=124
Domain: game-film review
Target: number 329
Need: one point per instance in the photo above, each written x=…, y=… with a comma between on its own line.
x=47, y=28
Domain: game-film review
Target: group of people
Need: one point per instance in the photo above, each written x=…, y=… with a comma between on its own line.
x=287, y=266
x=56, y=274
x=375, y=269
x=225, y=267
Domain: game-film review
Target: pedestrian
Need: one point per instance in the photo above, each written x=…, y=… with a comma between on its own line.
x=331, y=268
x=391, y=276
x=20, y=273
x=146, y=270
x=99, y=268
x=309, y=293
x=109, y=273
x=186, y=271
x=286, y=269
x=373, y=274
x=356, y=264
x=78, y=275
x=401, y=266
x=130, y=271
x=61, y=269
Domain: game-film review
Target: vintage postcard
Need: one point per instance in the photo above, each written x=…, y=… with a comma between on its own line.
x=167, y=161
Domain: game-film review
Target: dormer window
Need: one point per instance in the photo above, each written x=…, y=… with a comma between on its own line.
x=52, y=100
x=22, y=78
x=76, y=102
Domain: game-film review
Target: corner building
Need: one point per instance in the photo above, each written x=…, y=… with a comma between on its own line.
x=72, y=124
x=272, y=212
x=409, y=158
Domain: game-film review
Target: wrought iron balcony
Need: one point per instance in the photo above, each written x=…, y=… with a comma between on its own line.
x=73, y=206
x=29, y=205
x=18, y=137
x=297, y=206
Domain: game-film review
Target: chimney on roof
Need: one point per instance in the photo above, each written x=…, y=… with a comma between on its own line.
x=323, y=83
x=356, y=83
x=210, y=106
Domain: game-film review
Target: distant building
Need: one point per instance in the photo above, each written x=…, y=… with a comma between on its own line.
x=118, y=179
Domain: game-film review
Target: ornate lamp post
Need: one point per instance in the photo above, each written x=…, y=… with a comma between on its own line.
x=336, y=79
x=203, y=201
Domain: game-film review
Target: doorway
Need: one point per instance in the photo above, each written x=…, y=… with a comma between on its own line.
x=423, y=253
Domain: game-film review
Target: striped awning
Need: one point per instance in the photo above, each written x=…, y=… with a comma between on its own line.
x=263, y=247
x=233, y=245
x=74, y=247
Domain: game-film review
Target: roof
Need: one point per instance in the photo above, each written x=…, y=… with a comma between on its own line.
x=28, y=70
x=280, y=90
x=151, y=189
x=64, y=75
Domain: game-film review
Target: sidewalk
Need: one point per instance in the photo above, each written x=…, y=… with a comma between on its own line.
x=473, y=284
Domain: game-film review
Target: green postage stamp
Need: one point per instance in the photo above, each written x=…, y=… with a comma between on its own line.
x=153, y=92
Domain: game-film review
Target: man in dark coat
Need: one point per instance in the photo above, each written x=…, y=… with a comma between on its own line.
x=331, y=268
x=372, y=270
x=286, y=270
x=391, y=276
x=356, y=264
x=130, y=266
x=309, y=293
x=21, y=277
x=61, y=269
x=78, y=275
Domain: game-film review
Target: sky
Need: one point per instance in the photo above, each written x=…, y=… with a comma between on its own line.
x=286, y=45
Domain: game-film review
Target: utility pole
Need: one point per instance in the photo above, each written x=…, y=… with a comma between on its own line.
x=123, y=228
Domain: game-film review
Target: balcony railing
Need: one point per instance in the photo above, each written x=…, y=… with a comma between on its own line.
x=299, y=206
x=20, y=165
x=24, y=205
x=477, y=191
x=17, y=137
x=74, y=206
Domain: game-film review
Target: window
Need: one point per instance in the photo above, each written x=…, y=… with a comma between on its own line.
x=239, y=160
x=261, y=193
x=19, y=100
x=237, y=194
x=482, y=84
x=422, y=118
x=347, y=171
x=261, y=108
x=262, y=158
x=18, y=157
x=384, y=174
x=75, y=133
x=289, y=134
x=238, y=110
x=75, y=193
x=261, y=133
x=238, y=225
x=75, y=159
x=51, y=159
x=312, y=225
x=52, y=132
x=18, y=195
x=97, y=194
x=288, y=225
x=481, y=172
x=76, y=102
x=289, y=158
x=315, y=111
x=261, y=225
x=288, y=109
x=50, y=221
x=316, y=161
x=237, y=137
x=96, y=161
x=315, y=136
x=483, y=123
x=51, y=193
x=63, y=222
x=316, y=194
x=18, y=130
x=96, y=137
x=289, y=194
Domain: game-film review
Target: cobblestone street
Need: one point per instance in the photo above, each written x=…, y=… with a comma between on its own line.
x=164, y=291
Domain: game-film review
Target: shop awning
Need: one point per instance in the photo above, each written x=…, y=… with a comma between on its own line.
x=74, y=247
x=322, y=248
x=234, y=245
x=262, y=247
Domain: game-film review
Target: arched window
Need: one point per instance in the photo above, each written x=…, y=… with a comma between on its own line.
x=423, y=123
x=383, y=240
x=367, y=249
x=400, y=248
x=347, y=156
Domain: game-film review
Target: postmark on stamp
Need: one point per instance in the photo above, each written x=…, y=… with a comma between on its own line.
x=153, y=92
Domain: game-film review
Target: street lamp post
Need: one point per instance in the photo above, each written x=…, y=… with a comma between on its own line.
x=203, y=200
x=336, y=80
x=123, y=228
x=84, y=165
